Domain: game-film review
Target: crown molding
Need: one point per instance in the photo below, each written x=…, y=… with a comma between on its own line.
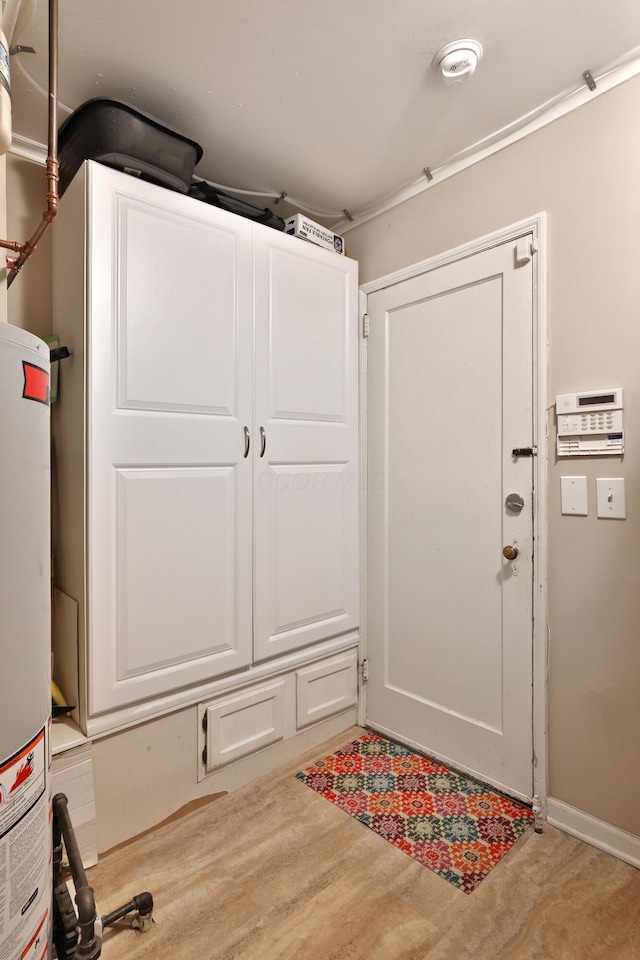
x=28, y=150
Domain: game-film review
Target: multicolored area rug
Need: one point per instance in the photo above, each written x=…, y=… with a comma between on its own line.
x=449, y=823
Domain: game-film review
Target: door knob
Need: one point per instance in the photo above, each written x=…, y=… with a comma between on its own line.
x=510, y=552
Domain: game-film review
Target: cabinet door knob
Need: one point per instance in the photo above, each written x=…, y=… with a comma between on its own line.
x=510, y=552
x=263, y=442
x=247, y=442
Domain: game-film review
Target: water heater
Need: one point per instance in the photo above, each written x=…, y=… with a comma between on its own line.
x=25, y=657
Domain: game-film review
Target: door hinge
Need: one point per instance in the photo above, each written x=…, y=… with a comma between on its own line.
x=523, y=452
x=365, y=325
x=204, y=755
x=364, y=670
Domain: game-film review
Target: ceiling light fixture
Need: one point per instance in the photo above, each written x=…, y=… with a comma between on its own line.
x=457, y=61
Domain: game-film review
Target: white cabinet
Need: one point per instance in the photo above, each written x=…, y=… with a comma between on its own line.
x=206, y=441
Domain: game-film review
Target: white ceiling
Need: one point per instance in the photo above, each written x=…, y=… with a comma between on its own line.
x=332, y=101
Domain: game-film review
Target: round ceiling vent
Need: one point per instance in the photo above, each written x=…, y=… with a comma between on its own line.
x=456, y=61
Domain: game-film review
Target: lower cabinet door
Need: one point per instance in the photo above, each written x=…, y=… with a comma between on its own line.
x=244, y=723
x=326, y=688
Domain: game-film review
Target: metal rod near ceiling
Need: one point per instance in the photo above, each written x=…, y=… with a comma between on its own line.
x=26, y=250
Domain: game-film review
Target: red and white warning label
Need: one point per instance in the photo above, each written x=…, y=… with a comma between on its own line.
x=25, y=847
x=36, y=383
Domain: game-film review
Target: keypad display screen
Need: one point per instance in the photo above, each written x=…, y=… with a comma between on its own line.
x=598, y=398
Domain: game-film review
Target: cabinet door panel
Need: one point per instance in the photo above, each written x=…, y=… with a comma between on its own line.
x=169, y=384
x=175, y=577
x=175, y=310
x=326, y=688
x=306, y=483
x=246, y=722
x=309, y=368
x=310, y=578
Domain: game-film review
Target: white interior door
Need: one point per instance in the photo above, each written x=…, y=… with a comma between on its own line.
x=449, y=616
x=170, y=392
x=305, y=445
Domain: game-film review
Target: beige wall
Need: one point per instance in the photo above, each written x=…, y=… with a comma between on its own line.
x=584, y=170
x=29, y=297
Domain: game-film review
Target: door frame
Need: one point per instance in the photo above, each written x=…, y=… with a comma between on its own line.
x=537, y=226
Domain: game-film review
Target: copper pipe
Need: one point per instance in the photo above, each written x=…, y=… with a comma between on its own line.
x=25, y=250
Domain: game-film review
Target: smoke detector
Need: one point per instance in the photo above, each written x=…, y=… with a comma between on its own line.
x=456, y=61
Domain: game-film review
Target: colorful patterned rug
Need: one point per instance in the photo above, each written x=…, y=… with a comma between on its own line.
x=449, y=823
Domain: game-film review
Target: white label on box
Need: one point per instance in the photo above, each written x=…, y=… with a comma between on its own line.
x=301, y=226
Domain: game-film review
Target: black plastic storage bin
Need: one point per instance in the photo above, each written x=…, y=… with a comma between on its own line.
x=118, y=135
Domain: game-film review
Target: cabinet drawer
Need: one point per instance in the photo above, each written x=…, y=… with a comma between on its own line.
x=326, y=688
x=245, y=722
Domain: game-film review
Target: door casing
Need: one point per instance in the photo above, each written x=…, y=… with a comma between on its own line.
x=537, y=226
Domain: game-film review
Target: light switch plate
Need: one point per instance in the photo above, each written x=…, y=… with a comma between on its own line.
x=573, y=496
x=610, y=498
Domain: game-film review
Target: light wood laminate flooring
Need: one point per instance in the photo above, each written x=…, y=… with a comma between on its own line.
x=273, y=871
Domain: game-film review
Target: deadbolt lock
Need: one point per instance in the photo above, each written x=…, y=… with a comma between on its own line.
x=514, y=502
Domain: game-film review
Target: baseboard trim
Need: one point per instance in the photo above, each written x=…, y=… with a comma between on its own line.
x=625, y=846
